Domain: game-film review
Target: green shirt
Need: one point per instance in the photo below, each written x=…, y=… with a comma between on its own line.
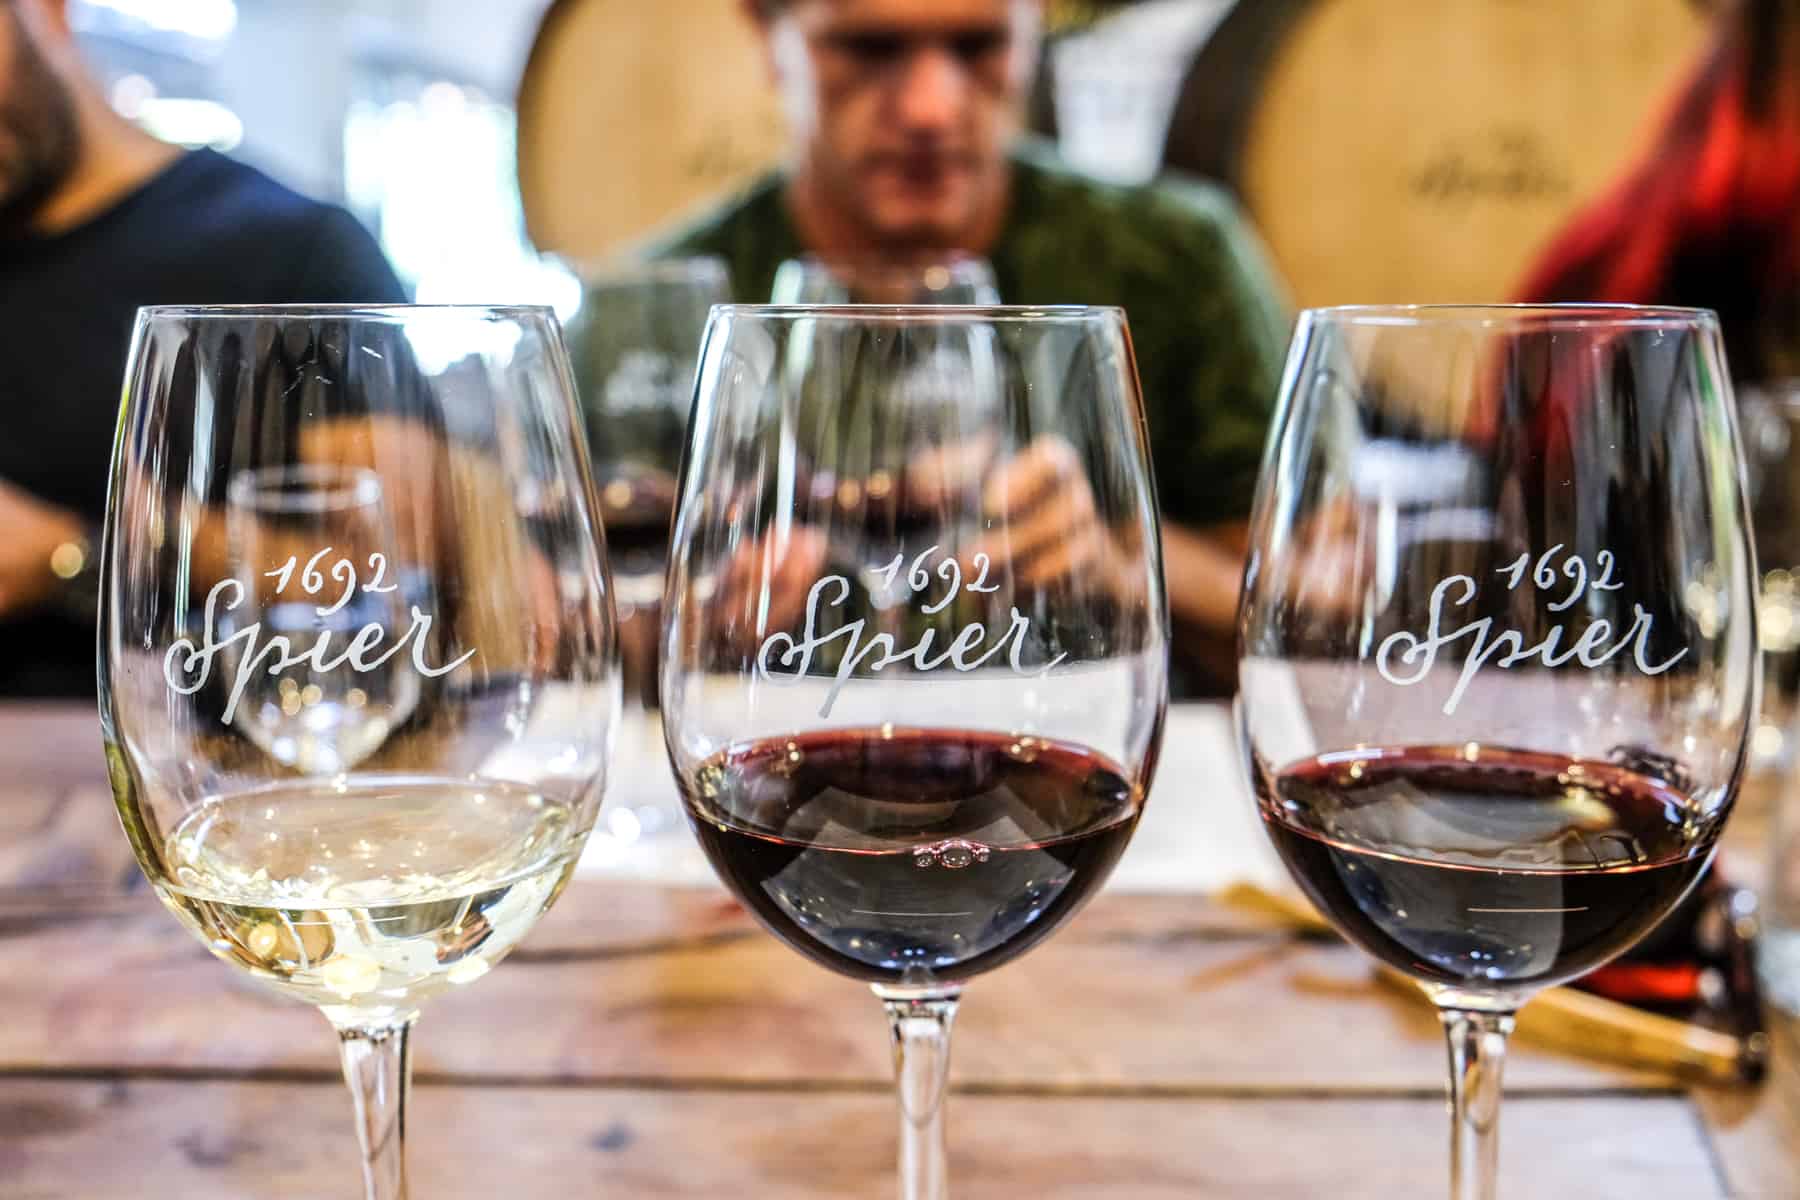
x=1206, y=322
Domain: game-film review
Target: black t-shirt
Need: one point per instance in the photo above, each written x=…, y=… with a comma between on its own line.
x=207, y=230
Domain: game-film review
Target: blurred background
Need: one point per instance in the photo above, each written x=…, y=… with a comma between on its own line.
x=401, y=110
x=1429, y=156
x=1216, y=165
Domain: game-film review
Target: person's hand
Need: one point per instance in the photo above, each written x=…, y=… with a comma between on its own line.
x=1334, y=560
x=936, y=477
x=436, y=512
x=33, y=532
x=411, y=460
x=1044, y=525
x=764, y=587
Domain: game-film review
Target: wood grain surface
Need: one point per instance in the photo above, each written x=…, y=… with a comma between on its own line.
x=651, y=1041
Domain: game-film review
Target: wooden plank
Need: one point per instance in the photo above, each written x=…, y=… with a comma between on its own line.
x=50, y=744
x=60, y=842
x=65, y=848
x=1757, y=1133
x=671, y=984
x=25, y=810
x=139, y=1140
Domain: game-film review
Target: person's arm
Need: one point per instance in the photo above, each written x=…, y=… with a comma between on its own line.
x=36, y=533
x=1204, y=571
x=1218, y=372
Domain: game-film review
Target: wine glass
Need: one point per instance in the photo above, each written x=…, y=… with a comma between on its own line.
x=370, y=503
x=1767, y=824
x=1498, y=647
x=315, y=719
x=912, y=764
x=634, y=342
x=1769, y=417
x=959, y=280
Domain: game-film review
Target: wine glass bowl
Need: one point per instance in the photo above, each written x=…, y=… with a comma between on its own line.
x=1497, y=640
x=369, y=899
x=1486, y=872
x=357, y=653
x=912, y=856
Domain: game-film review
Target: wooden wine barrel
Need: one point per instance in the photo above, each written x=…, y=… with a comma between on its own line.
x=632, y=112
x=1426, y=150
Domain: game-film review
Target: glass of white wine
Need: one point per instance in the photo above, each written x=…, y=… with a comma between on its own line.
x=387, y=513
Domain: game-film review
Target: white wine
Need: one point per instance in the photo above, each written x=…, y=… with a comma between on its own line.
x=368, y=896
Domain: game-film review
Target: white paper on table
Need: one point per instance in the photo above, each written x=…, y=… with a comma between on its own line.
x=1200, y=831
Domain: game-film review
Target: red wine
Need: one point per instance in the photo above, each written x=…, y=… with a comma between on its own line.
x=911, y=855
x=1482, y=867
x=637, y=504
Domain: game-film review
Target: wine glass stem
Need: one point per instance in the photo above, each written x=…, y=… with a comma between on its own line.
x=378, y=1066
x=921, y=1022
x=1477, y=1059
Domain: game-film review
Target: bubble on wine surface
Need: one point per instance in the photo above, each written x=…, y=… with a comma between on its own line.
x=952, y=853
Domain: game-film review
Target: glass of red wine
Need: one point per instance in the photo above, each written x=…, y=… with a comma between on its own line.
x=1498, y=648
x=914, y=669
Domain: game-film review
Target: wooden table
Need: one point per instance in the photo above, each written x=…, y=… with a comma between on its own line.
x=649, y=1041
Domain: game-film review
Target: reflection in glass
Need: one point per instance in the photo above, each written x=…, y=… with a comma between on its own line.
x=317, y=720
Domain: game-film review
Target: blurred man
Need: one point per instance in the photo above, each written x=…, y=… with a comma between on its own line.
x=97, y=218
x=904, y=119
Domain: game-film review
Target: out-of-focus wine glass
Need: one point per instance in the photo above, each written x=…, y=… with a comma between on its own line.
x=1498, y=658
x=960, y=280
x=1767, y=828
x=635, y=341
x=1771, y=429
x=914, y=723
x=383, y=514
x=311, y=717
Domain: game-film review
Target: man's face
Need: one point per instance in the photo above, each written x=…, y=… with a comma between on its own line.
x=903, y=108
x=39, y=135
